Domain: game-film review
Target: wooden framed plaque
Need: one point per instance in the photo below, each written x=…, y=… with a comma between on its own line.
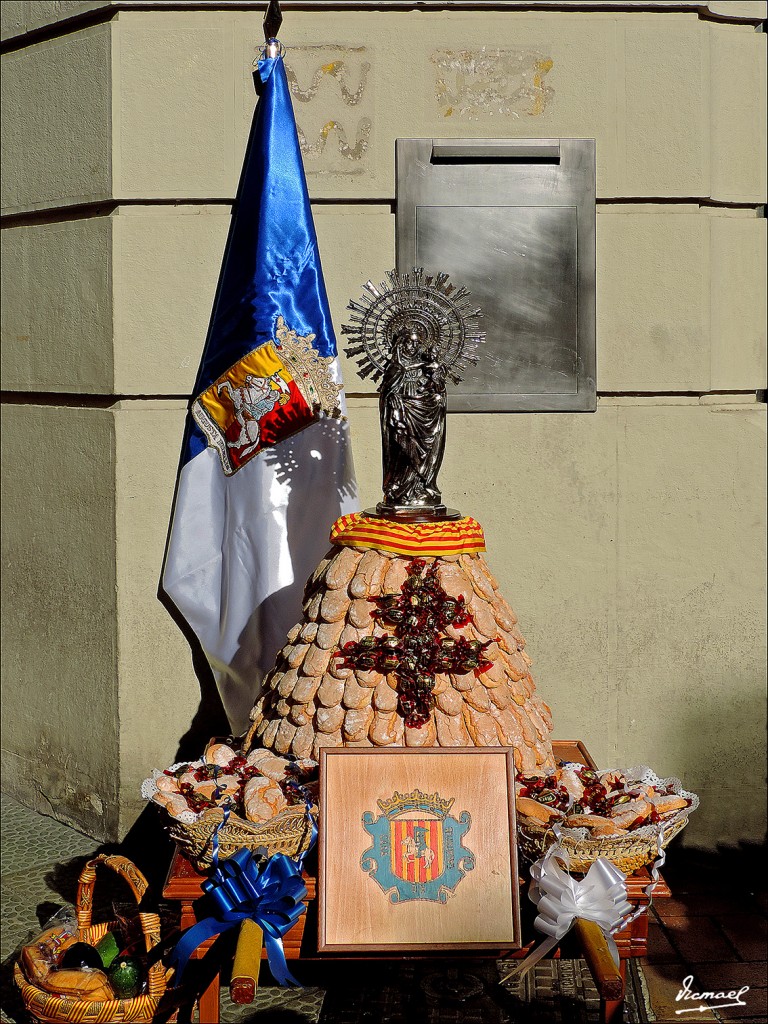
x=417, y=850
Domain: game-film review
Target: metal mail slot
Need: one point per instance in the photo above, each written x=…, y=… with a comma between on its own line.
x=478, y=149
x=513, y=220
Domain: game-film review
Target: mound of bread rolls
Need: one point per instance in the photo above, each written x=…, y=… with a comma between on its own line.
x=257, y=786
x=607, y=803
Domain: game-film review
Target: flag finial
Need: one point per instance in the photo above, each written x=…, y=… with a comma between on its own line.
x=273, y=19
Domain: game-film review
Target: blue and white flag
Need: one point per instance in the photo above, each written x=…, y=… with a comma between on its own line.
x=266, y=467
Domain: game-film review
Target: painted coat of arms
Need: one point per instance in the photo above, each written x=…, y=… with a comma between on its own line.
x=417, y=851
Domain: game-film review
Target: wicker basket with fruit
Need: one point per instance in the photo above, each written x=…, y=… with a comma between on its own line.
x=258, y=800
x=618, y=814
x=79, y=973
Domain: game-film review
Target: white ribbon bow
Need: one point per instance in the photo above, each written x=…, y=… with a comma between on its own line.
x=600, y=897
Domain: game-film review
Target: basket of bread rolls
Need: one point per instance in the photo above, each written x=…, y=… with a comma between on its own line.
x=619, y=814
x=92, y=973
x=258, y=800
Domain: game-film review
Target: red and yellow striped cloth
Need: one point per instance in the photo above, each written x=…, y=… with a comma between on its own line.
x=445, y=537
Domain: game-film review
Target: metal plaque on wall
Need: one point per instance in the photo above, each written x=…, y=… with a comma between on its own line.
x=513, y=220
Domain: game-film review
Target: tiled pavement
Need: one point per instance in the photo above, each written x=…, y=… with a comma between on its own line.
x=713, y=929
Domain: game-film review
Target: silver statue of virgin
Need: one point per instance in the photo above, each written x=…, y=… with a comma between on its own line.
x=413, y=334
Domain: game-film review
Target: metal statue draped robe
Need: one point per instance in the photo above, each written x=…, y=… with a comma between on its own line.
x=412, y=408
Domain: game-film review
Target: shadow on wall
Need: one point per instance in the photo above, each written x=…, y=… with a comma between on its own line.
x=720, y=748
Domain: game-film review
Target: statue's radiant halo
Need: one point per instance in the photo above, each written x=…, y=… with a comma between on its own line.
x=440, y=316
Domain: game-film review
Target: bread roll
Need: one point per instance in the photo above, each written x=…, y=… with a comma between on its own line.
x=174, y=803
x=263, y=799
x=609, y=829
x=90, y=985
x=167, y=784
x=586, y=820
x=533, y=809
x=220, y=754
x=667, y=804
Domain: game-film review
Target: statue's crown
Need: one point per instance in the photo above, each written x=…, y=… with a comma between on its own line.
x=415, y=801
x=443, y=317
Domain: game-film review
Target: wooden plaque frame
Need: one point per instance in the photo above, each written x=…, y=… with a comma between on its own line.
x=381, y=812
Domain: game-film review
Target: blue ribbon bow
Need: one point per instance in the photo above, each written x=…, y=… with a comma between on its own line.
x=272, y=897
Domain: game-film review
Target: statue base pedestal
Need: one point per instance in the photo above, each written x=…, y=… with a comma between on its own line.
x=414, y=538
x=411, y=514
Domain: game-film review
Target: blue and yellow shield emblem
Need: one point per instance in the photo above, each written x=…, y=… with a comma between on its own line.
x=417, y=851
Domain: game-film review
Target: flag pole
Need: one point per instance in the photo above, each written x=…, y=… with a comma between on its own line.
x=273, y=19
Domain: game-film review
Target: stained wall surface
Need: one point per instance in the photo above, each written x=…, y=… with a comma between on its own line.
x=631, y=541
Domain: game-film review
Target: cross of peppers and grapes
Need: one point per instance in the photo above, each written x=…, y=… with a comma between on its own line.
x=417, y=649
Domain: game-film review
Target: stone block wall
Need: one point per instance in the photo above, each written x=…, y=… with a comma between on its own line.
x=631, y=542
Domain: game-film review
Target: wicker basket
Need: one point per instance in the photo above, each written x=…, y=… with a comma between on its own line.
x=628, y=852
x=49, y=1007
x=289, y=832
